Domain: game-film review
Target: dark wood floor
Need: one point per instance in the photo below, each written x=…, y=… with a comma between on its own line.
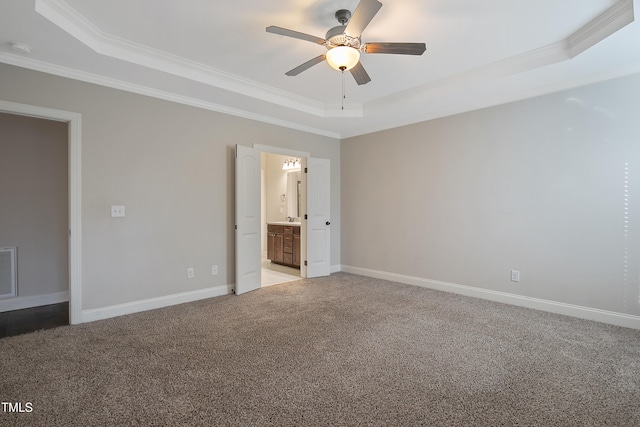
x=20, y=322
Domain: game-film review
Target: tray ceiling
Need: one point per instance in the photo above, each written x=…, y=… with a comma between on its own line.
x=221, y=58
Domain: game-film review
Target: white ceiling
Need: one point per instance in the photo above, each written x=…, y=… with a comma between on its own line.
x=217, y=55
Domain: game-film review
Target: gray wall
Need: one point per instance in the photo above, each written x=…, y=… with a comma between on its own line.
x=172, y=166
x=34, y=201
x=547, y=186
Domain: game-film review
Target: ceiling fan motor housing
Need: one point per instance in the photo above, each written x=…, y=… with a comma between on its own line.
x=343, y=16
x=337, y=37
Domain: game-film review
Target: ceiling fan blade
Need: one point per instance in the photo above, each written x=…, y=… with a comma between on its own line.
x=364, y=13
x=295, y=34
x=360, y=74
x=310, y=63
x=396, y=48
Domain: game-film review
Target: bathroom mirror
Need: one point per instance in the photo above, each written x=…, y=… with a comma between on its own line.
x=294, y=181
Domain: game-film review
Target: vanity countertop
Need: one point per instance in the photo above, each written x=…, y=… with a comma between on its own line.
x=284, y=223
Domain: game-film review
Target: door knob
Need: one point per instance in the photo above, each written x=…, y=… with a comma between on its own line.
x=328, y=223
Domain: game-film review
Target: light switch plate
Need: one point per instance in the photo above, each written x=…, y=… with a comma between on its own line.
x=117, y=211
x=515, y=276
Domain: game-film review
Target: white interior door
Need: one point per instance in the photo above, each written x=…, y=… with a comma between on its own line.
x=247, y=219
x=318, y=217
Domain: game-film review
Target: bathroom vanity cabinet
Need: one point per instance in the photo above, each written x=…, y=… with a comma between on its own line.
x=283, y=244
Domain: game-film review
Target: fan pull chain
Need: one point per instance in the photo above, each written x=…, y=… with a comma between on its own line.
x=344, y=95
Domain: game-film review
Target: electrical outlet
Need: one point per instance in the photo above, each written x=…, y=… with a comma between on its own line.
x=190, y=273
x=117, y=211
x=515, y=276
x=214, y=270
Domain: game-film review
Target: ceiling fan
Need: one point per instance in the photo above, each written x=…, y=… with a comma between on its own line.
x=344, y=45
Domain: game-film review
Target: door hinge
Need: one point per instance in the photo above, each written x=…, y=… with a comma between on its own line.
x=305, y=262
x=236, y=226
x=306, y=170
x=305, y=216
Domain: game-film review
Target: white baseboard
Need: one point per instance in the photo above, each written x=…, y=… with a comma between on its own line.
x=19, y=303
x=152, y=303
x=604, y=316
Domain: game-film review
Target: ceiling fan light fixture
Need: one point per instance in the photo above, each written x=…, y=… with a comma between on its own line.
x=343, y=58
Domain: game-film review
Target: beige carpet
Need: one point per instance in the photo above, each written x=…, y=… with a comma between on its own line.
x=342, y=350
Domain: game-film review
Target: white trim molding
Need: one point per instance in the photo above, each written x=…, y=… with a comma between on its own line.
x=61, y=14
x=102, y=313
x=83, y=76
x=19, y=303
x=609, y=22
x=613, y=19
x=75, y=191
x=588, y=313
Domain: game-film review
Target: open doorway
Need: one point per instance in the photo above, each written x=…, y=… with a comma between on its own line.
x=315, y=234
x=34, y=224
x=281, y=218
x=73, y=124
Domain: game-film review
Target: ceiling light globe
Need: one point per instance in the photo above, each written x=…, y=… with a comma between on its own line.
x=343, y=57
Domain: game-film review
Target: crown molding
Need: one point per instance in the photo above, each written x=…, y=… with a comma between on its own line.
x=535, y=58
x=69, y=20
x=606, y=24
x=45, y=67
x=62, y=15
x=76, y=25
x=613, y=19
x=513, y=96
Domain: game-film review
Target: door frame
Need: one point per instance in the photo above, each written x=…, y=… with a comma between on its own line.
x=303, y=226
x=74, y=121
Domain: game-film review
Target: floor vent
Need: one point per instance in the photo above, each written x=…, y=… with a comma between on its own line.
x=8, y=282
